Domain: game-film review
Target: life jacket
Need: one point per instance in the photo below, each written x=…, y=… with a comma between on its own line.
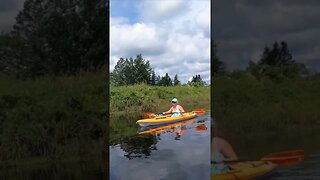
x=176, y=112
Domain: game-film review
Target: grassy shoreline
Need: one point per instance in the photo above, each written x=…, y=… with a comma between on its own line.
x=42, y=118
x=64, y=117
x=143, y=98
x=53, y=117
x=250, y=107
x=127, y=104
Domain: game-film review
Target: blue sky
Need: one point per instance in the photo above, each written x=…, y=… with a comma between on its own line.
x=173, y=35
x=124, y=8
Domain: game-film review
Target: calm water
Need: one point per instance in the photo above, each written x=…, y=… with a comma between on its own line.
x=255, y=148
x=177, y=151
x=309, y=169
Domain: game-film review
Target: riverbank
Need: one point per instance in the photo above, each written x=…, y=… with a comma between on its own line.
x=250, y=108
x=127, y=104
x=53, y=117
x=63, y=117
x=142, y=98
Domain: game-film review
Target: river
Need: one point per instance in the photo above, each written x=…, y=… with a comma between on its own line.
x=177, y=151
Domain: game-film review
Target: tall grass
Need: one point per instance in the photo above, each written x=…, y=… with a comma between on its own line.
x=128, y=103
x=52, y=117
x=65, y=117
x=247, y=107
x=142, y=98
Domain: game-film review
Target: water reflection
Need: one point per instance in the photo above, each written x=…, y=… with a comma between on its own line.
x=178, y=128
x=175, y=151
x=143, y=143
x=138, y=146
x=283, y=160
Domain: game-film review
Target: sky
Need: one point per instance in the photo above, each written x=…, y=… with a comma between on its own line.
x=241, y=30
x=173, y=35
x=9, y=10
x=177, y=32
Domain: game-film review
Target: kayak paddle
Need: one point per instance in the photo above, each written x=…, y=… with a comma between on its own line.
x=150, y=114
x=285, y=158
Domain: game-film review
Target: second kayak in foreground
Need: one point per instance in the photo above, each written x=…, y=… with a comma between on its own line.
x=161, y=120
x=246, y=170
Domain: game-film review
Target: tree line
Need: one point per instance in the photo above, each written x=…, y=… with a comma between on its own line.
x=276, y=63
x=56, y=38
x=70, y=37
x=135, y=71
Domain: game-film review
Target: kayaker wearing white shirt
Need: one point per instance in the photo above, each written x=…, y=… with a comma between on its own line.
x=221, y=152
x=176, y=109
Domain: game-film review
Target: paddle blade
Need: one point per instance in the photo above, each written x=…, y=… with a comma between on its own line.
x=199, y=111
x=148, y=114
x=286, y=158
x=201, y=127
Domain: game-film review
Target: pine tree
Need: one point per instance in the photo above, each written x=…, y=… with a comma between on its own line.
x=176, y=81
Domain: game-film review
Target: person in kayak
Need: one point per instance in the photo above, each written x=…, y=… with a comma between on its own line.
x=176, y=109
x=221, y=152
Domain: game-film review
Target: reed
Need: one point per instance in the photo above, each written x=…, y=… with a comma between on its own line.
x=247, y=107
x=53, y=117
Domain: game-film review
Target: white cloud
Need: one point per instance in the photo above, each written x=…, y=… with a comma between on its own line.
x=172, y=34
x=203, y=18
x=127, y=39
x=161, y=10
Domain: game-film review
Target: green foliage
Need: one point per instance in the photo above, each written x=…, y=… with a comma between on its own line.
x=277, y=64
x=218, y=66
x=176, y=81
x=245, y=104
x=197, y=81
x=128, y=103
x=55, y=38
x=141, y=98
x=165, y=81
x=153, y=80
x=52, y=117
x=132, y=71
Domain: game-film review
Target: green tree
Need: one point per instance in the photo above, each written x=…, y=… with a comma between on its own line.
x=176, y=80
x=278, y=56
x=142, y=70
x=153, y=78
x=276, y=64
x=165, y=81
x=131, y=71
x=197, y=81
x=61, y=37
x=218, y=66
x=11, y=50
x=196, y=78
x=158, y=79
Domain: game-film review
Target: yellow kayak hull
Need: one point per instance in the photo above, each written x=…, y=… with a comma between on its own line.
x=246, y=170
x=160, y=129
x=165, y=119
